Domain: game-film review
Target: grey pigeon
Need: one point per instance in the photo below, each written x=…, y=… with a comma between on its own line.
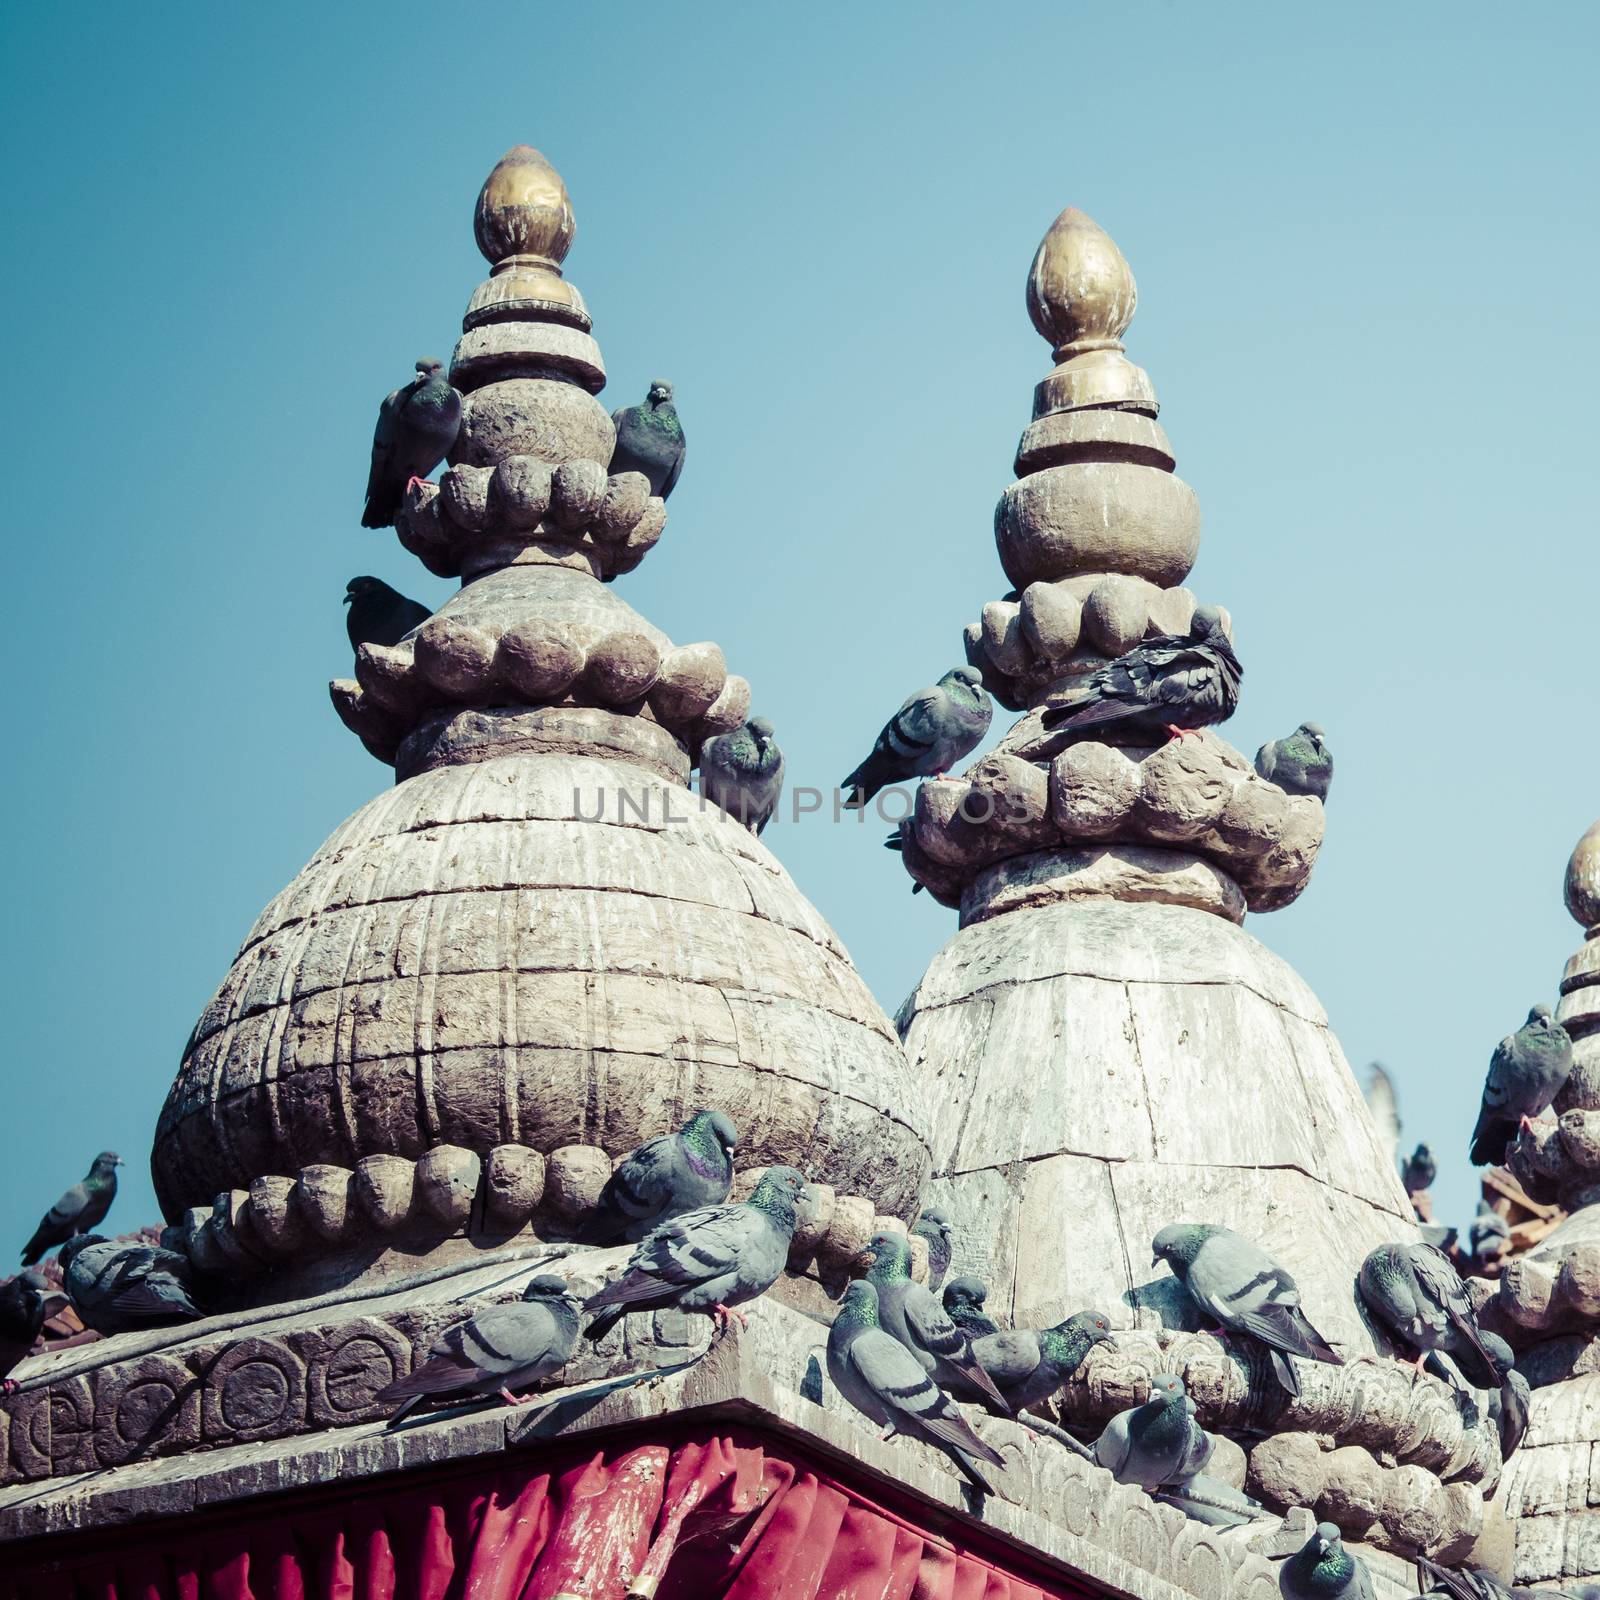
x=811, y=1383
x=963, y=1303
x=1299, y=764
x=1418, y=1170
x=910, y=1313
x=81, y=1208
x=933, y=1228
x=1416, y=1294
x=115, y=1286
x=886, y=1384
x=1322, y=1569
x=1526, y=1073
x=417, y=428
x=1478, y=1583
x=1164, y=688
x=710, y=1260
x=1158, y=1444
x=495, y=1351
x=932, y=731
x=666, y=1177
x=1508, y=1408
x=742, y=773
x=650, y=440
x=1028, y=1367
x=1490, y=1234
x=1240, y=1285
x=379, y=614
x=21, y=1318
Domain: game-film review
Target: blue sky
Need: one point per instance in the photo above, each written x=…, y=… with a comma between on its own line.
x=1365, y=245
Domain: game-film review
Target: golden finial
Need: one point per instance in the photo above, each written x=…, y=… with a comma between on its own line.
x=523, y=224
x=1583, y=880
x=1081, y=297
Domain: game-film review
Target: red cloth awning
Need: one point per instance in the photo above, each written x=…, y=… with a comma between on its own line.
x=706, y=1515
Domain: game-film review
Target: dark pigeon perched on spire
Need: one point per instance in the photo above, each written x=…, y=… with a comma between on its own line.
x=495, y=1351
x=1418, y=1170
x=1526, y=1073
x=1028, y=1367
x=1163, y=688
x=933, y=1228
x=115, y=1286
x=710, y=1260
x=741, y=772
x=932, y=731
x=1239, y=1284
x=417, y=427
x=1298, y=764
x=1417, y=1295
x=885, y=1382
x=963, y=1303
x=379, y=614
x=1322, y=1569
x=1158, y=1444
x=650, y=440
x=81, y=1208
x=21, y=1318
x=665, y=1177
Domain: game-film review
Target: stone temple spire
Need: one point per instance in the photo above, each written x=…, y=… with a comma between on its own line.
x=537, y=950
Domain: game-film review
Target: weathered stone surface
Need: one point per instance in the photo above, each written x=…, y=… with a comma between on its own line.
x=1091, y=1032
x=519, y=491
x=729, y=709
x=1003, y=638
x=1093, y=788
x=576, y=490
x=539, y=659
x=455, y=658
x=1098, y=516
x=550, y=420
x=1052, y=619
x=621, y=505
x=1289, y=1469
x=447, y=1183
x=574, y=1176
x=1118, y=872
x=515, y=1184
x=691, y=678
x=622, y=668
x=1117, y=613
x=464, y=496
x=384, y=1187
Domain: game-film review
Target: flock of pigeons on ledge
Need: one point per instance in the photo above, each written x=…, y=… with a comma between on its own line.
x=904, y=1358
x=1164, y=687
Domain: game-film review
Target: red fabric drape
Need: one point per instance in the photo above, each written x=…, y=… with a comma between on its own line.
x=703, y=1516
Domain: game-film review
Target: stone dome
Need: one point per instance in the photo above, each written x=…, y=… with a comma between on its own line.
x=1099, y=1069
x=542, y=948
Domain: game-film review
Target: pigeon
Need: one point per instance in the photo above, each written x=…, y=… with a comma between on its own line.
x=1029, y=1367
x=908, y=1311
x=711, y=1260
x=1416, y=1294
x=934, y=1227
x=1509, y=1407
x=1526, y=1073
x=1246, y=1291
x=1490, y=1234
x=21, y=1318
x=650, y=440
x=963, y=1303
x=742, y=773
x=1158, y=1444
x=1322, y=1569
x=417, y=428
x=379, y=614
x=81, y=1208
x=495, y=1351
x=1300, y=764
x=665, y=1177
x=1418, y=1170
x=932, y=731
x=1168, y=686
x=115, y=1286
x=1383, y=1101
x=884, y=1382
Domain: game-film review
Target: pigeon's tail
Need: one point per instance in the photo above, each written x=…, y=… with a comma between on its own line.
x=1284, y=1368
x=1456, y=1584
x=1076, y=718
x=1489, y=1140
x=1477, y=1365
x=970, y=1468
x=1286, y=1328
x=894, y=842
x=605, y=1322
x=866, y=781
x=407, y=1406
x=380, y=510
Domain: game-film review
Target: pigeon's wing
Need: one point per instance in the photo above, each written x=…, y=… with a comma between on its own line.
x=1112, y=1448
x=1515, y=1397
x=144, y=1286
x=1441, y=1284
x=387, y=434
x=916, y=727
x=691, y=1249
x=671, y=480
x=930, y=1326
x=915, y=1403
x=1008, y=1357
x=1384, y=1104
x=1244, y=1288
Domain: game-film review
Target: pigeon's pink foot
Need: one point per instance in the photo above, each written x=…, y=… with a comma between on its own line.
x=413, y=481
x=10, y=1386
x=887, y=1434
x=1181, y=733
x=1420, y=1362
x=726, y=1316
x=1529, y=1125
x=514, y=1399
